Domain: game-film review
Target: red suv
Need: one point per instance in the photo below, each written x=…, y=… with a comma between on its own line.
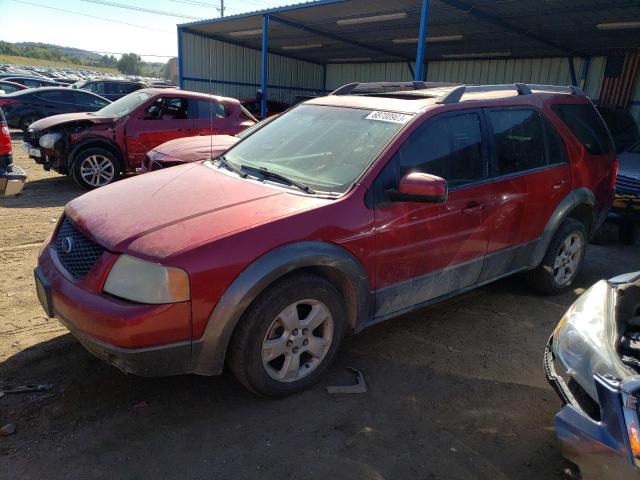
x=96, y=148
x=344, y=211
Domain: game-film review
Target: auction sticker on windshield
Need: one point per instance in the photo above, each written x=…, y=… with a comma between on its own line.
x=389, y=117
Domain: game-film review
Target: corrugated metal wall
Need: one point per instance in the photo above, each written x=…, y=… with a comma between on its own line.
x=341, y=74
x=235, y=71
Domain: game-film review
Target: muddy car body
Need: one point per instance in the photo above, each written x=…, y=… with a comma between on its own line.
x=343, y=212
x=97, y=148
x=593, y=362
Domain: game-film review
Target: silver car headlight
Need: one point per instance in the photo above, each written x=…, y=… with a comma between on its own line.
x=49, y=140
x=146, y=282
x=585, y=340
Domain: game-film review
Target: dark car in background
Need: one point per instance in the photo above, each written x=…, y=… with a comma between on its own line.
x=623, y=127
x=12, y=178
x=10, y=87
x=96, y=148
x=109, y=89
x=27, y=106
x=274, y=107
x=626, y=206
x=34, y=82
x=592, y=360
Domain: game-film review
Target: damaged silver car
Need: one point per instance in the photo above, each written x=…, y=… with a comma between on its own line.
x=593, y=362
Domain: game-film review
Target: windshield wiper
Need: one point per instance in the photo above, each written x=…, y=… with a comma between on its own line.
x=278, y=176
x=223, y=160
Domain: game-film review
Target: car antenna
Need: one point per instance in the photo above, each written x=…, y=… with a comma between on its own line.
x=210, y=110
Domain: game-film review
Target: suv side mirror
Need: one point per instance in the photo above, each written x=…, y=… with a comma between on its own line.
x=420, y=187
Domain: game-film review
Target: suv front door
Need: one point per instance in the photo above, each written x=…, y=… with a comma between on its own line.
x=427, y=250
x=164, y=119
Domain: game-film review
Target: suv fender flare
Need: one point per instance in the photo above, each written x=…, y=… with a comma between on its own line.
x=208, y=353
x=95, y=142
x=578, y=197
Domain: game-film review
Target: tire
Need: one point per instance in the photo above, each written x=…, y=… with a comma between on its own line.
x=293, y=299
x=94, y=168
x=549, y=277
x=27, y=120
x=628, y=232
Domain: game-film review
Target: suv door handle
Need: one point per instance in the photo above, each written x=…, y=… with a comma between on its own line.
x=473, y=207
x=558, y=185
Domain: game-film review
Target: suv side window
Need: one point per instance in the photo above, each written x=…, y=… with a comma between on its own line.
x=207, y=108
x=555, y=145
x=518, y=140
x=449, y=147
x=58, y=96
x=585, y=123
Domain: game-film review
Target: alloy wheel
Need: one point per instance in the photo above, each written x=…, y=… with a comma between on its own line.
x=97, y=170
x=568, y=259
x=298, y=340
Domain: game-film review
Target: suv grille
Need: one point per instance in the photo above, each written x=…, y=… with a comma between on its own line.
x=625, y=184
x=76, y=252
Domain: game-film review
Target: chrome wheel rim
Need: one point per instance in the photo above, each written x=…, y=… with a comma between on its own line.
x=568, y=259
x=97, y=170
x=297, y=341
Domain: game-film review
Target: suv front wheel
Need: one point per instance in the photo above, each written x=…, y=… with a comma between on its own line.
x=95, y=167
x=563, y=259
x=289, y=336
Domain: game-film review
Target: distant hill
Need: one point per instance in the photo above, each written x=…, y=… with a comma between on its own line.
x=75, y=52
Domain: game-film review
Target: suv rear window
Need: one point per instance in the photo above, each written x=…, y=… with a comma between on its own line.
x=585, y=123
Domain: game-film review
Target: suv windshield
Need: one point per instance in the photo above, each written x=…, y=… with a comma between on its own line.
x=124, y=105
x=324, y=147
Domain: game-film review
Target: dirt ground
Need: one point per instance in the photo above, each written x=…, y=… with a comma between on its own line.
x=456, y=391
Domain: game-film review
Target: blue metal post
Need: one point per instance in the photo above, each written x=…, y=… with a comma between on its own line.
x=422, y=40
x=265, y=64
x=180, y=57
x=572, y=71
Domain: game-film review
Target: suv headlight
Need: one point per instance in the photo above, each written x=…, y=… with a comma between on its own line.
x=585, y=340
x=146, y=282
x=49, y=140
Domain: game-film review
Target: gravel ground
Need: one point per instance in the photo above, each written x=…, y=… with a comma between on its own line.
x=456, y=391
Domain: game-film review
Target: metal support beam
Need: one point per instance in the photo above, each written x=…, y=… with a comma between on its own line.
x=180, y=53
x=572, y=71
x=332, y=36
x=265, y=63
x=422, y=40
x=585, y=73
x=413, y=74
x=486, y=17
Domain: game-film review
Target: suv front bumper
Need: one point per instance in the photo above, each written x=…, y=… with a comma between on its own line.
x=598, y=447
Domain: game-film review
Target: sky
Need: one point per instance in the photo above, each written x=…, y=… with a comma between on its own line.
x=92, y=25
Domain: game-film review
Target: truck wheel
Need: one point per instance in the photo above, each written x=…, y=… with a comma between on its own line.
x=563, y=259
x=289, y=336
x=26, y=122
x=628, y=232
x=95, y=167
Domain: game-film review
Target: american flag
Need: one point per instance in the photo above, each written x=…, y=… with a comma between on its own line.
x=619, y=78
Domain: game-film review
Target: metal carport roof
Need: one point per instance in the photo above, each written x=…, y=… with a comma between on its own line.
x=332, y=31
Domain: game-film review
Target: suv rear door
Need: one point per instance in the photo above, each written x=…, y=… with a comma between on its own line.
x=531, y=177
x=156, y=122
x=427, y=250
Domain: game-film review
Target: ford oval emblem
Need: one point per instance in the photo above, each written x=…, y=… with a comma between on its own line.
x=67, y=244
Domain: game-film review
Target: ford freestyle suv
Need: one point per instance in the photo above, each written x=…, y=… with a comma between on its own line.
x=96, y=148
x=342, y=212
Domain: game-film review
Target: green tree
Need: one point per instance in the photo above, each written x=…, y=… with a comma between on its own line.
x=130, y=64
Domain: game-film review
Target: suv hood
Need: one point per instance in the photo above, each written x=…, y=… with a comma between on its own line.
x=169, y=211
x=57, y=120
x=192, y=149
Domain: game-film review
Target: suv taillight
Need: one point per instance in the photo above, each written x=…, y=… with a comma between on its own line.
x=614, y=174
x=5, y=140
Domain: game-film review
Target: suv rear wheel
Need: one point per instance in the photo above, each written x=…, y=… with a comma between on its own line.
x=563, y=259
x=95, y=167
x=289, y=336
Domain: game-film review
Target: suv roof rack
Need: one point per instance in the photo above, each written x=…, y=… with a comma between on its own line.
x=363, y=88
x=455, y=95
